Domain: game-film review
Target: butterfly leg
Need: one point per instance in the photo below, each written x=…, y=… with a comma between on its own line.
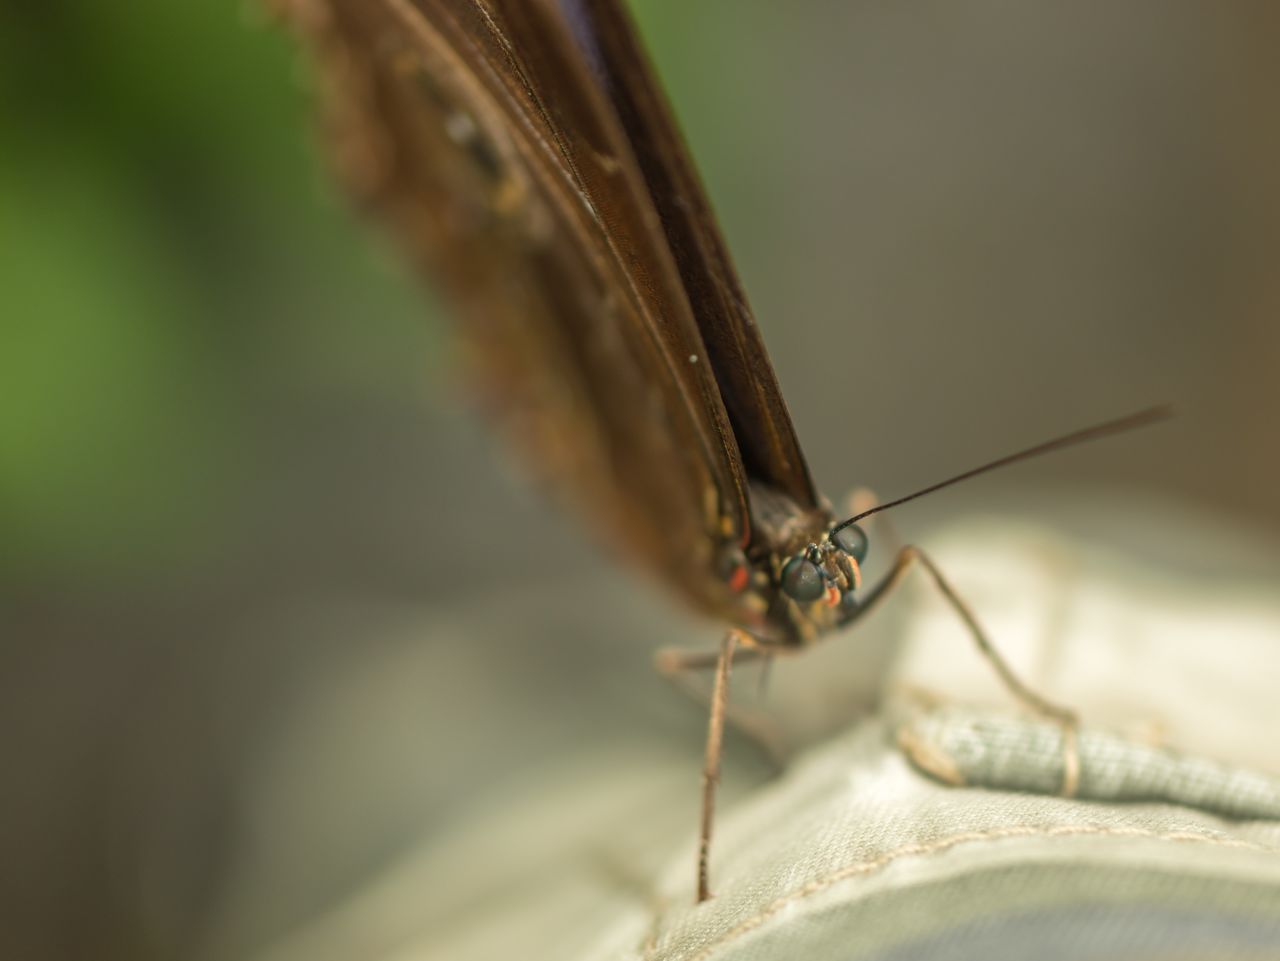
x=911, y=555
x=676, y=664
x=714, y=751
x=674, y=661
x=737, y=645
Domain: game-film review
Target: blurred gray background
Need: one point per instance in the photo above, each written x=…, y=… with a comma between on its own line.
x=253, y=636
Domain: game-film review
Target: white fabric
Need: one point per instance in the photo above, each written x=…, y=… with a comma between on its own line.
x=857, y=853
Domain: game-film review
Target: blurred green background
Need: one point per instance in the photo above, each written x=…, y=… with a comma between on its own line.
x=235, y=473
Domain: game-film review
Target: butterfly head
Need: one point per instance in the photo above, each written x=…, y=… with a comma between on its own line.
x=828, y=571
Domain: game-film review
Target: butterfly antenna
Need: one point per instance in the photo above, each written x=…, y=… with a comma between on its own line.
x=1142, y=418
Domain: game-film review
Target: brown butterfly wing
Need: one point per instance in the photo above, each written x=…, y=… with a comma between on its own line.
x=508, y=178
x=761, y=422
x=597, y=154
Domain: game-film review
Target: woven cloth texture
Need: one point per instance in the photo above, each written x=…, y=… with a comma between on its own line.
x=933, y=829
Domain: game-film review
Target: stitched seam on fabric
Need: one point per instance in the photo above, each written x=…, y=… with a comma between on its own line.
x=863, y=868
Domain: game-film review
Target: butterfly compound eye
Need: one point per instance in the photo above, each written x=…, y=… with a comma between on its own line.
x=802, y=581
x=851, y=539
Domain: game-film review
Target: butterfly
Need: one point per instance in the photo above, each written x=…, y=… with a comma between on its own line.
x=525, y=156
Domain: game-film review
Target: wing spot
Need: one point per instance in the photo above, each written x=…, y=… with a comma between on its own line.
x=460, y=127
